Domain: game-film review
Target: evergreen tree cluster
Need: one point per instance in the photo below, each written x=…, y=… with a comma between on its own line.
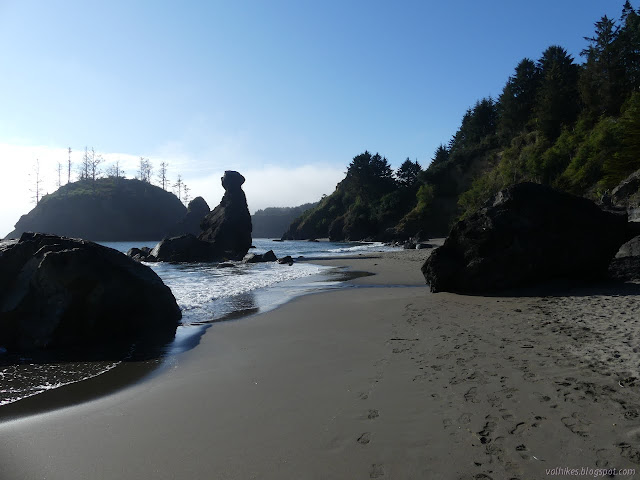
x=570, y=125
x=370, y=199
x=573, y=126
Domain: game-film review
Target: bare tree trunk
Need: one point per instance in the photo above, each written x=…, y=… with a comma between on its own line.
x=69, y=167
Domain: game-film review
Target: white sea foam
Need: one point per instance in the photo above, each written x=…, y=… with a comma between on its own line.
x=26, y=380
x=203, y=291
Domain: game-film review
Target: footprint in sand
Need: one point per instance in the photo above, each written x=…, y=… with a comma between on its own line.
x=629, y=452
x=365, y=438
x=464, y=419
x=577, y=424
x=373, y=414
x=487, y=431
x=506, y=414
x=496, y=448
x=601, y=456
x=518, y=429
x=377, y=470
x=472, y=395
x=494, y=400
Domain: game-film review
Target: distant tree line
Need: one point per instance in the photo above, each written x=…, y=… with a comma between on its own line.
x=90, y=169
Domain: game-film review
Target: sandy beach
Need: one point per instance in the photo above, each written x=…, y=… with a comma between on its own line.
x=381, y=379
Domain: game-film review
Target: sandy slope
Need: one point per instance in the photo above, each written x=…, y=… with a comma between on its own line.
x=370, y=382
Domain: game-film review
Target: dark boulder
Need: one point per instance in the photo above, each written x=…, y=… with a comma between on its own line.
x=190, y=223
x=528, y=233
x=228, y=226
x=259, y=258
x=58, y=292
x=185, y=248
x=140, y=254
x=626, y=264
x=286, y=260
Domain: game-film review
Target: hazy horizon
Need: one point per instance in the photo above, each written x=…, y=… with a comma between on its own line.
x=287, y=93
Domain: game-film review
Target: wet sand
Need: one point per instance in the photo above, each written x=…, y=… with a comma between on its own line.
x=370, y=382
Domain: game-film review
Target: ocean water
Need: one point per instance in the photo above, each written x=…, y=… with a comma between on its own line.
x=206, y=294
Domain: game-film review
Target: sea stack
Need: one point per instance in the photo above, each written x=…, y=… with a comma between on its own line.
x=228, y=226
x=190, y=223
x=225, y=235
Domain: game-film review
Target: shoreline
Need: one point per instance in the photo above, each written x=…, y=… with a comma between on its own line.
x=370, y=383
x=129, y=373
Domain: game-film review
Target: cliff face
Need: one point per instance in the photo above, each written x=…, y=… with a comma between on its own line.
x=108, y=209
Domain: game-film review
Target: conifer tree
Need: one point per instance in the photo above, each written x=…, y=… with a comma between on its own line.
x=518, y=99
x=601, y=80
x=557, y=102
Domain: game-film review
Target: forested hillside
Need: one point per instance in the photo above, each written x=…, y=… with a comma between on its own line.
x=574, y=126
x=272, y=222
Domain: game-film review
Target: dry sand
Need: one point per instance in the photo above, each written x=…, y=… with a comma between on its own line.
x=370, y=382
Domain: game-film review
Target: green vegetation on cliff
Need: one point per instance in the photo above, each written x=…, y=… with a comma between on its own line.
x=365, y=204
x=573, y=126
x=105, y=209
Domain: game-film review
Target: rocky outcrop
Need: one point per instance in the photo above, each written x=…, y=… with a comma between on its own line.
x=228, y=226
x=58, y=292
x=528, y=233
x=139, y=254
x=627, y=195
x=626, y=264
x=259, y=258
x=185, y=248
x=286, y=260
x=108, y=209
x=190, y=223
x=225, y=232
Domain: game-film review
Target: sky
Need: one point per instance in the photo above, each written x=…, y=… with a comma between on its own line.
x=285, y=92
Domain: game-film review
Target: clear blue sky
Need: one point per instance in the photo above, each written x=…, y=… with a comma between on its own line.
x=264, y=85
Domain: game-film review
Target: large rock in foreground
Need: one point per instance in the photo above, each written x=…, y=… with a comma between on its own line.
x=58, y=292
x=228, y=226
x=530, y=233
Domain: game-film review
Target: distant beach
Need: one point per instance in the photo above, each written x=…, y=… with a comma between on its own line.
x=380, y=380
